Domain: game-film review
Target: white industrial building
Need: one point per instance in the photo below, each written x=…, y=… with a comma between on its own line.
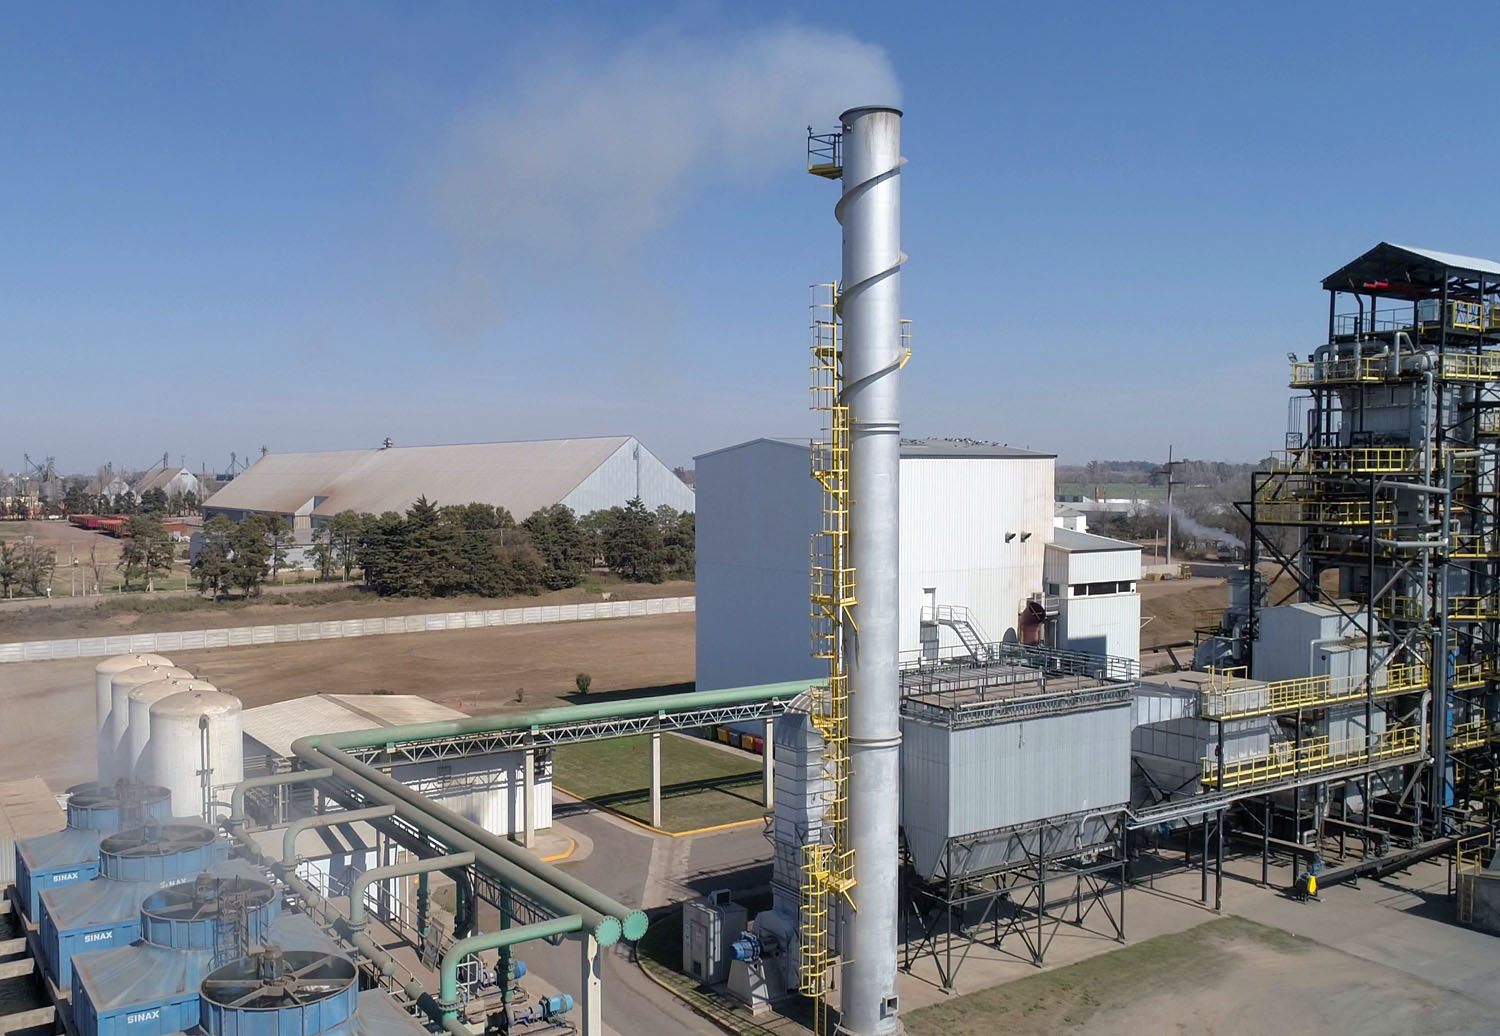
x=180, y=481
x=977, y=533
x=523, y=477
x=487, y=789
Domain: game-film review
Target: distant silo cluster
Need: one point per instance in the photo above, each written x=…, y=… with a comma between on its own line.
x=158, y=725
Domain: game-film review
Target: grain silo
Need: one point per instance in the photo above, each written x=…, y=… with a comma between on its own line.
x=197, y=747
x=104, y=674
x=120, y=686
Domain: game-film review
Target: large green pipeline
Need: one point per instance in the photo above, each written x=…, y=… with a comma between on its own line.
x=607, y=925
x=323, y=750
x=379, y=737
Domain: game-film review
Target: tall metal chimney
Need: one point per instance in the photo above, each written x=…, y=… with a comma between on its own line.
x=870, y=306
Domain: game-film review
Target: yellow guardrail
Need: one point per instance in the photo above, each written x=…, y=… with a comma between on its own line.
x=1467, y=608
x=1489, y=422
x=1325, y=512
x=1237, y=698
x=1469, y=853
x=1314, y=756
x=1373, y=460
x=1471, y=545
x=1471, y=733
x=1328, y=372
x=1468, y=674
x=1470, y=366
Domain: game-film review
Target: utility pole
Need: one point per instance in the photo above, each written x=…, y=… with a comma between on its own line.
x=1171, y=464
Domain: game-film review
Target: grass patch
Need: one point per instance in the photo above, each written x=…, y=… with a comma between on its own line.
x=1068, y=998
x=701, y=785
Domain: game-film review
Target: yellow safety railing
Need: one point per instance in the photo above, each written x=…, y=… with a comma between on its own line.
x=1471, y=608
x=1325, y=512
x=1472, y=545
x=1314, y=756
x=1469, y=366
x=1399, y=606
x=1330, y=372
x=1242, y=699
x=1370, y=460
x=1469, y=674
x=1471, y=733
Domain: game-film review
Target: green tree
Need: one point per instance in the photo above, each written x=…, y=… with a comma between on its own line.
x=154, y=501
x=37, y=565
x=250, y=555
x=321, y=550
x=10, y=566
x=190, y=502
x=278, y=538
x=145, y=550
x=344, y=534
x=632, y=546
x=212, y=563
x=677, y=531
x=381, y=546
x=563, y=546
x=75, y=500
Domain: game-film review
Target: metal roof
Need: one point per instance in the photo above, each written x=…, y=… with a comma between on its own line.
x=277, y=725
x=913, y=448
x=1086, y=542
x=160, y=478
x=28, y=808
x=1406, y=272
x=522, y=477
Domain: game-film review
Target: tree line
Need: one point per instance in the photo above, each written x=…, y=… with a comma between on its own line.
x=439, y=551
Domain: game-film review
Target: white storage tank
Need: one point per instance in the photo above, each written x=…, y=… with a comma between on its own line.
x=193, y=731
x=104, y=673
x=140, y=736
x=120, y=686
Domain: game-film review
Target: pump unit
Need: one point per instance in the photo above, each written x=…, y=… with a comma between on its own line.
x=72, y=854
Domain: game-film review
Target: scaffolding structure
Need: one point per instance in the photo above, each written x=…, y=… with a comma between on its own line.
x=1383, y=505
x=828, y=863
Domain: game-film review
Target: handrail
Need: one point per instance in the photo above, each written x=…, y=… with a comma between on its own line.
x=1315, y=755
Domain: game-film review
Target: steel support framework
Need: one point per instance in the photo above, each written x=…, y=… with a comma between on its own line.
x=947, y=916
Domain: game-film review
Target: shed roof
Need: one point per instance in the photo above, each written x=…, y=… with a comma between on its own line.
x=522, y=477
x=1407, y=272
x=279, y=724
x=28, y=808
x=1087, y=542
x=159, y=478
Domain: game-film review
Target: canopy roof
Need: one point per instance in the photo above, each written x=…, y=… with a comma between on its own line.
x=1401, y=271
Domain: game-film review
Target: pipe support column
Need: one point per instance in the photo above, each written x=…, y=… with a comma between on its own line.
x=528, y=798
x=591, y=987
x=768, y=766
x=656, y=778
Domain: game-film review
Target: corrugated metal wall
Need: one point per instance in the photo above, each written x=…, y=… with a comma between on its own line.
x=757, y=510
x=955, y=514
x=630, y=471
x=1104, y=625
x=983, y=778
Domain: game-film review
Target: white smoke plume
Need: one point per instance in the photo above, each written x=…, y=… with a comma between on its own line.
x=594, y=150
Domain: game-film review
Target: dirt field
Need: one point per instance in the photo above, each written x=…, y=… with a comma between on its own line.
x=46, y=708
x=1175, y=606
x=159, y=613
x=72, y=544
x=1226, y=976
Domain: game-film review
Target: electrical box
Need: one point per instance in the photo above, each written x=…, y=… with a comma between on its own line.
x=709, y=928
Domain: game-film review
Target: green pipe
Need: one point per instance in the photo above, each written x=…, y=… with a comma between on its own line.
x=605, y=927
x=398, y=870
x=379, y=737
x=349, y=816
x=237, y=799
x=632, y=922
x=448, y=988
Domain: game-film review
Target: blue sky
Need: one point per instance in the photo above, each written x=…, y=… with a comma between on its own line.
x=314, y=226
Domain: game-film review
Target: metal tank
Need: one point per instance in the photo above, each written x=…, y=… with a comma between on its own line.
x=120, y=686
x=275, y=992
x=105, y=912
x=152, y=988
x=870, y=307
x=104, y=673
x=71, y=855
x=197, y=746
x=137, y=745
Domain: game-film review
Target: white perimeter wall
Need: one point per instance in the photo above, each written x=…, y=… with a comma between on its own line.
x=758, y=507
x=955, y=514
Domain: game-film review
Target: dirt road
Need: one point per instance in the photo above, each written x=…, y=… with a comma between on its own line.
x=47, y=708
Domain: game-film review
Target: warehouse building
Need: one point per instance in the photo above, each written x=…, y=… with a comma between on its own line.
x=523, y=477
x=979, y=549
x=179, y=481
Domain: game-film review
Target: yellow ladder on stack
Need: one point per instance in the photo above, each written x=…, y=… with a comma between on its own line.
x=828, y=863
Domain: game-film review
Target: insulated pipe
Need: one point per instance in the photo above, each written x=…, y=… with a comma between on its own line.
x=870, y=307
x=347, y=816
x=237, y=797
x=606, y=927
x=505, y=937
x=397, y=870
x=630, y=923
